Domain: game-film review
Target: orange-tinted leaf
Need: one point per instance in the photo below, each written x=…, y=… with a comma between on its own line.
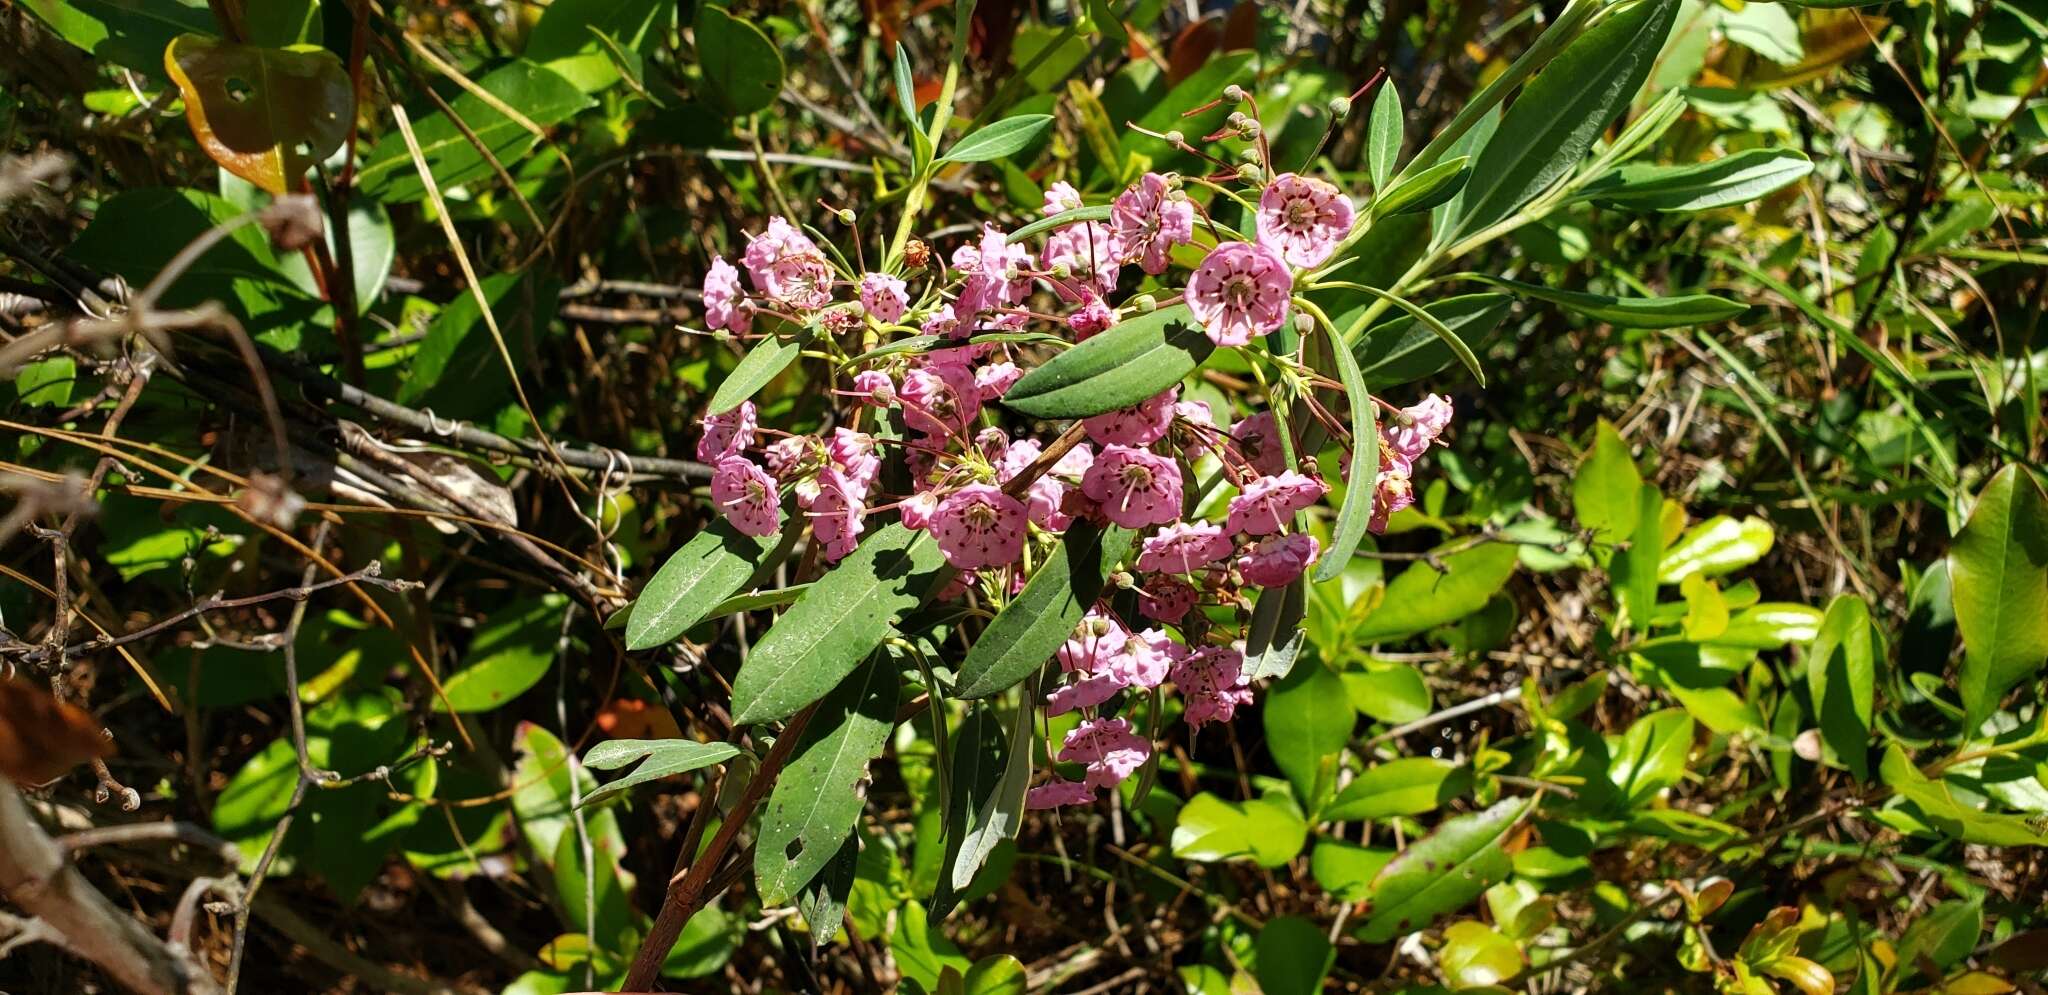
x=927, y=90
x=265, y=114
x=1192, y=48
x=41, y=738
x=1241, y=28
x=631, y=718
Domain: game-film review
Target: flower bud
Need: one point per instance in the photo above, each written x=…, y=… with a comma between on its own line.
x=917, y=254
x=1176, y=138
x=1249, y=129
x=1340, y=106
x=1304, y=323
x=1250, y=172
x=1144, y=303
x=1237, y=119
x=846, y=215
x=1249, y=153
x=1234, y=93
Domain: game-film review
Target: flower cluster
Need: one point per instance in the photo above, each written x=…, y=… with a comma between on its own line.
x=1220, y=513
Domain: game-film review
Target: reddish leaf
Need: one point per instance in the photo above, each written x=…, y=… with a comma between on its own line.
x=265, y=114
x=631, y=718
x=1241, y=28
x=41, y=738
x=1192, y=48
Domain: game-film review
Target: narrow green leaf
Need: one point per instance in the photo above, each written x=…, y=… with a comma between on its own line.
x=541, y=94
x=1102, y=13
x=1958, y=815
x=742, y=66
x=1425, y=190
x=1116, y=369
x=1682, y=311
x=1444, y=871
x=1030, y=629
x=1363, y=477
x=1002, y=812
x=978, y=763
x=1430, y=321
x=998, y=139
x=1401, y=350
x=696, y=578
x=906, y=89
x=1273, y=639
x=1841, y=674
x=820, y=793
x=763, y=363
x=1998, y=565
x=823, y=902
x=1635, y=569
x=836, y=624
x=1405, y=786
x=664, y=757
x=1099, y=212
x=1702, y=186
x=1383, y=135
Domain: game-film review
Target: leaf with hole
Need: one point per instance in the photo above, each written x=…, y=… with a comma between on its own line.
x=265, y=114
x=1444, y=871
x=1116, y=369
x=820, y=793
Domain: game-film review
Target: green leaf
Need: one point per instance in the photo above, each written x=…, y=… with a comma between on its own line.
x=1444, y=871
x=1635, y=569
x=743, y=68
x=1383, y=135
x=576, y=37
x=1426, y=189
x=1563, y=110
x=763, y=363
x=1651, y=756
x=1960, y=816
x=1000, y=974
x=1702, y=186
x=1002, y=813
x=1391, y=693
x=1363, y=467
x=1606, y=491
x=1631, y=312
x=1030, y=629
x=1450, y=340
x=664, y=757
x=1771, y=625
x=1308, y=720
x=510, y=653
x=1998, y=565
x=835, y=625
x=1421, y=598
x=1274, y=636
x=697, y=578
x=1945, y=935
x=823, y=902
x=1292, y=957
x=906, y=89
x=1401, y=350
x=1475, y=955
x=1405, y=786
x=1266, y=830
x=821, y=792
x=1116, y=369
x=1346, y=870
x=538, y=93
x=1767, y=29
x=1841, y=674
x=1100, y=212
x=47, y=383
x=129, y=33
x=458, y=370
x=242, y=269
x=1714, y=547
x=998, y=139
x=978, y=763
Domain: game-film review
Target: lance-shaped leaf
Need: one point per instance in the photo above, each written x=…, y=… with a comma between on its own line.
x=1401, y=350
x=265, y=114
x=823, y=903
x=1998, y=566
x=1426, y=189
x=998, y=139
x=1700, y=186
x=1383, y=135
x=1364, y=472
x=1841, y=675
x=540, y=96
x=821, y=792
x=663, y=757
x=1116, y=369
x=977, y=767
x=1099, y=212
x=696, y=579
x=1682, y=311
x=1273, y=638
x=1003, y=811
x=1030, y=629
x=836, y=624
x=764, y=362
x=1443, y=871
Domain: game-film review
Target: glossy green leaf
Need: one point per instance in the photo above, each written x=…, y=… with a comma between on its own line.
x=906, y=89
x=1634, y=569
x=1450, y=340
x=1030, y=629
x=1606, y=490
x=1402, y=350
x=1292, y=956
x=1100, y=212
x=823, y=902
x=762, y=364
x=836, y=624
x=1958, y=815
x=46, y=383
x=1443, y=872
x=1475, y=955
x=1998, y=565
x=1403, y=786
x=743, y=68
x=1002, y=812
x=1944, y=935
x=695, y=579
x=1265, y=830
x=538, y=93
x=820, y=793
x=1274, y=636
x=1422, y=598
x=1841, y=675
x=586, y=40
x=1770, y=625
x=1116, y=369
x=1683, y=311
x=1346, y=870
x=978, y=761
x=1389, y=692
x=1651, y=756
x=1425, y=189
x=510, y=653
x=1308, y=720
x=1560, y=113
x=664, y=757
x=1383, y=135
x=1701, y=186
x=129, y=33
x=998, y=139
x=1364, y=467
x=1714, y=547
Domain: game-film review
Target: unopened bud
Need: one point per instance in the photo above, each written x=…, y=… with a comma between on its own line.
x=1250, y=172
x=1176, y=138
x=1062, y=271
x=846, y=215
x=1340, y=106
x=917, y=254
x=1122, y=580
x=1249, y=153
x=1249, y=129
x=1145, y=303
x=1237, y=119
x=1304, y=323
x=1234, y=93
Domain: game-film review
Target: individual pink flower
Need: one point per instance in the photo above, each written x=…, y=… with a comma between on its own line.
x=1141, y=424
x=1146, y=660
x=979, y=526
x=996, y=379
x=727, y=434
x=835, y=514
x=884, y=296
x=939, y=401
x=1060, y=198
x=1135, y=488
x=725, y=304
x=1166, y=598
x=875, y=387
x=1267, y=504
x=785, y=264
x=780, y=241
x=1087, y=692
x=941, y=321
x=1303, y=218
x=746, y=495
x=1089, y=253
x=1278, y=560
x=1213, y=683
x=1094, y=316
x=853, y=454
x=1240, y=290
x=1149, y=219
x=1258, y=439
x=1109, y=748
x=1410, y=433
x=1184, y=547
x=785, y=456
x=1045, y=502
x=1097, y=640
x=1393, y=493
x=993, y=443
x=989, y=284
x=918, y=508
x=1058, y=792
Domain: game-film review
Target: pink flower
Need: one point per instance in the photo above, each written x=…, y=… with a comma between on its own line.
x=1394, y=492
x=1060, y=198
x=1149, y=220
x=996, y=379
x=1097, y=640
x=1184, y=548
x=1277, y=560
x=979, y=526
x=785, y=456
x=745, y=494
x=835, y=514
x=1240, y=290
x=725, y=304
x=1166, y=598
x=1109, y=748
x=781, y=241
x=1093, y=316
x=1135, y=488
x=1268, y=503
x=883, y=296
x=1085, y=693
x=1303, y=218
x=875, y=387
x=1045, y=502
x=727, y=434
x=1146, y=660
x=1089, y=253
x=1410, y=434
x=918, y=508
x=994, y=445
x=1212, y=680
x=939, y=401
x=942, y=322
x=1258, y=439
x=785, y=264
x=853, y=454
x=1139, y=425
x=1058, y=792
x=989, y=285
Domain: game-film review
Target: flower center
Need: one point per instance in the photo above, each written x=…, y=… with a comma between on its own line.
x=981, y=516
x=1300, y=212
x=1240, y=291
x=1136, y=476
